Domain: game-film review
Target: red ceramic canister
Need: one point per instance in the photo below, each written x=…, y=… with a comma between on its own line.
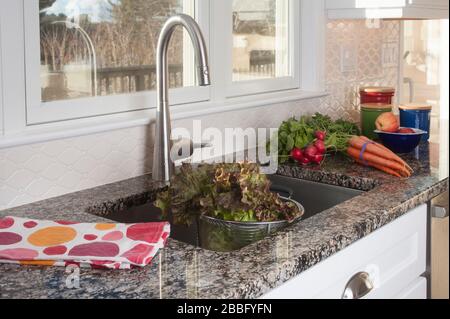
x=376, y=94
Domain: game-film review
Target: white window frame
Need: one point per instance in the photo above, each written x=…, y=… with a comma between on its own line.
x=21, y=126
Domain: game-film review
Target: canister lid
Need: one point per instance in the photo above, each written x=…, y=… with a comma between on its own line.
x=377, y=89
x=376, y=106
x=416, y=106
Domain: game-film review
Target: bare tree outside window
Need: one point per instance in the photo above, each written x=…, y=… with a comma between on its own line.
x=120, y=36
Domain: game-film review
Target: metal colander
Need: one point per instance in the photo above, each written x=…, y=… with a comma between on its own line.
x=219, y=235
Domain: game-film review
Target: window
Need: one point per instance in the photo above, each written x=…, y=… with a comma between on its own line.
x=97, y=57
x=85, y=58
x=260, y=39
x=96, y=47
x=264, y=46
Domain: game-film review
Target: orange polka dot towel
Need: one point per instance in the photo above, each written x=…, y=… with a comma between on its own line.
x=60, y=243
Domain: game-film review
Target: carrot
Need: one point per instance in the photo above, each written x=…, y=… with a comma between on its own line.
x=391, y=155
x=382, y=147
x=381, y=168
x=372, y=158
x=379, y=150
x=358, y=142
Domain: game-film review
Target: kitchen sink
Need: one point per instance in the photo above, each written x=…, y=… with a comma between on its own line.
x=315, y=198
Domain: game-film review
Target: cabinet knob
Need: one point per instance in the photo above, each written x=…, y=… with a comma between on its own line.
x=358, y=286
x=439, y=211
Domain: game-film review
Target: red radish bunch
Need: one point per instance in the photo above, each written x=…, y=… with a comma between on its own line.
x=297, y=154
x=313, y=153
x=320, y=146
x=320, y=135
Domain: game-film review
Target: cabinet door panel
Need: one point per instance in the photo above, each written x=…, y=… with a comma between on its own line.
x=417, y=290
x=393, y=256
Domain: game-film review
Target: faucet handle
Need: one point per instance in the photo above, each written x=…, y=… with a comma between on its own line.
x=184, y=148
x=203, y=144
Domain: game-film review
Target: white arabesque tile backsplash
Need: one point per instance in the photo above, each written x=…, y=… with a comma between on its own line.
x=35, y=172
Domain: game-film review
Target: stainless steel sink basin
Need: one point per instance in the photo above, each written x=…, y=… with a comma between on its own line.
x=315, y=197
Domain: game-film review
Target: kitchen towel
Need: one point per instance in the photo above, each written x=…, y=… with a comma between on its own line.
x=61, y=243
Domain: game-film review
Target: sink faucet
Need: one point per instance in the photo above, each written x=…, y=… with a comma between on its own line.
x=163, y=166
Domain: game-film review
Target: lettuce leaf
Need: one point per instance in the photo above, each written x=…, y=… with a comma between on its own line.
x=232, y=192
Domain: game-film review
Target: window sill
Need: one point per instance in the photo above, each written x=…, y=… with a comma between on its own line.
x=80, y=127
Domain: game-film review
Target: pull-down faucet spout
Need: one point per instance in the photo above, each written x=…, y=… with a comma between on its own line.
x=163, y=166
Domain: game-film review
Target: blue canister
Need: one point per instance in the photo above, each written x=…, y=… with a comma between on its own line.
x=416, y=116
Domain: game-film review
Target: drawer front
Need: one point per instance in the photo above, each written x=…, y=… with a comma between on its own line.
x=392, y=257
x=416, y=290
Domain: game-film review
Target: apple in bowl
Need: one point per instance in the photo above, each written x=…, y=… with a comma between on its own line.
x=406, y=130
x=387, y=122
x=405, y=140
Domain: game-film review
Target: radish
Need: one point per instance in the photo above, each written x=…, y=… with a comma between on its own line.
x=297, y=154
x=305, y=161
x=318, y=159
x=321, y=135
x=320, y=145
x=310, y=152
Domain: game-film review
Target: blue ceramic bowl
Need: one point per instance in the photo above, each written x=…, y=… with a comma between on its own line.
x=401, y=142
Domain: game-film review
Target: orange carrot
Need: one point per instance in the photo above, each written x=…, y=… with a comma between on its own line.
x=378, y=145
x=358, y=142
x=392, y=155
x=379, y=167
x=372, y=158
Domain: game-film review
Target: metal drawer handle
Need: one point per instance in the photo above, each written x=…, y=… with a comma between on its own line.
x=358, y=286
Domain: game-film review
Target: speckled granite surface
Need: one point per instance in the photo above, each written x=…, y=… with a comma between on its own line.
x=182, y=271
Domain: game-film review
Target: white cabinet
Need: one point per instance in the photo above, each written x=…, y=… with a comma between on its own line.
x=393, y=259
x=417, y=290
x=387, y=9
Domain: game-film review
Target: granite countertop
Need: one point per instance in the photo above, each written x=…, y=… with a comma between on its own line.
x=183, y=271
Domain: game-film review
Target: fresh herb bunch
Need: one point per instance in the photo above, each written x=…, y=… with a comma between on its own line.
x=231, y=192
x=300, y=133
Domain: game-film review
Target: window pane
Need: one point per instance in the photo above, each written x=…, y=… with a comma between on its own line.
x=260, y=39
x=104, y=47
